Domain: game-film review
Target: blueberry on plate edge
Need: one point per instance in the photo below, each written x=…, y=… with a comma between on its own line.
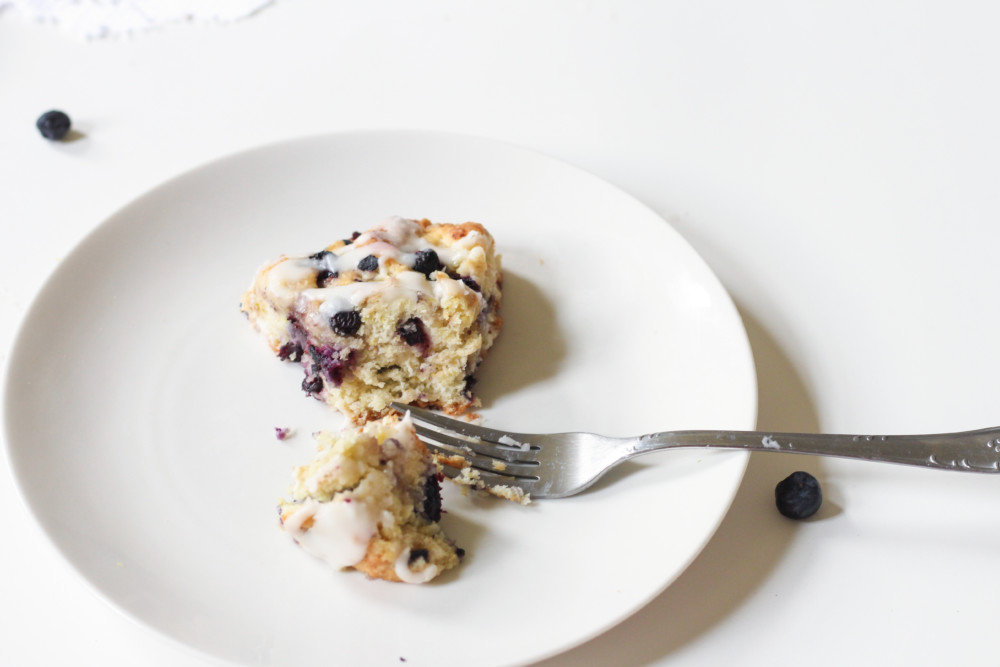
x=798, y=496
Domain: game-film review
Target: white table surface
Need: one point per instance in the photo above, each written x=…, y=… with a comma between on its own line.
x=836, y=164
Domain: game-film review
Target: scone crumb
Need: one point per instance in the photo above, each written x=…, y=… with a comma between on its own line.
x=471, y=478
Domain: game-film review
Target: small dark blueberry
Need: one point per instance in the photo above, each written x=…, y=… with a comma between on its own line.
x=432, y=499
x=346, y=322
x=427, y=262
x=322, y=254
x=325, y=275
x=460, y=552
x=369, y=263
x=53, y=125
x=312, y=385
x=417, y=554
x=412, y=331
x=798, y=496
x=471, y=284
x=290, y=352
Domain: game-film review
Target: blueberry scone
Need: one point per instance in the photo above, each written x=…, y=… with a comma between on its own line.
x=403, y=312
x=371, y=500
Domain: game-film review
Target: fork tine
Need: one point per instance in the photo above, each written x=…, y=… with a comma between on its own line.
x=482, y=463
x=508, y=454
x=488, y=479
x=487, y=435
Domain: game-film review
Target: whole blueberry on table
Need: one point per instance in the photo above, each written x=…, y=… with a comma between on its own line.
x=53, y=125
x=798, y=496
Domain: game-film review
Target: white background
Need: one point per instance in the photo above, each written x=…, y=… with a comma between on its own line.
x=836, y=164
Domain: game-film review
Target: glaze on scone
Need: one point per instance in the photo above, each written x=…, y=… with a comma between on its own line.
x=403, y=312
x=371, y=500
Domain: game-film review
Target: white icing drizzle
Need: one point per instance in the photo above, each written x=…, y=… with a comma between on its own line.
x=286, y=278
x=340, y=531
x=398, y=238
x=405, y=431
x=407, y=285
x=403, y=242
x=770, y=443
x=347, y=258
x=408, y=576
x=446, y=288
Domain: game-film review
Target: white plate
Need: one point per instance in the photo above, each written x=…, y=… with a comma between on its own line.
x=140, y=408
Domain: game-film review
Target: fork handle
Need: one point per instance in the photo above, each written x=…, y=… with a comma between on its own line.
x=970, y=451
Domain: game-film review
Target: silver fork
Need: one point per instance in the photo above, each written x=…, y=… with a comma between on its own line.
x=556, y=465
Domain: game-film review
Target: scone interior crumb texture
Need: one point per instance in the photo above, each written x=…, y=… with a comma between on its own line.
x=402, y=312
x=371, y=500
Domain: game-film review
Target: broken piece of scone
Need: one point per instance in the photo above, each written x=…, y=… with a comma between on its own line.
x=371, y=500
